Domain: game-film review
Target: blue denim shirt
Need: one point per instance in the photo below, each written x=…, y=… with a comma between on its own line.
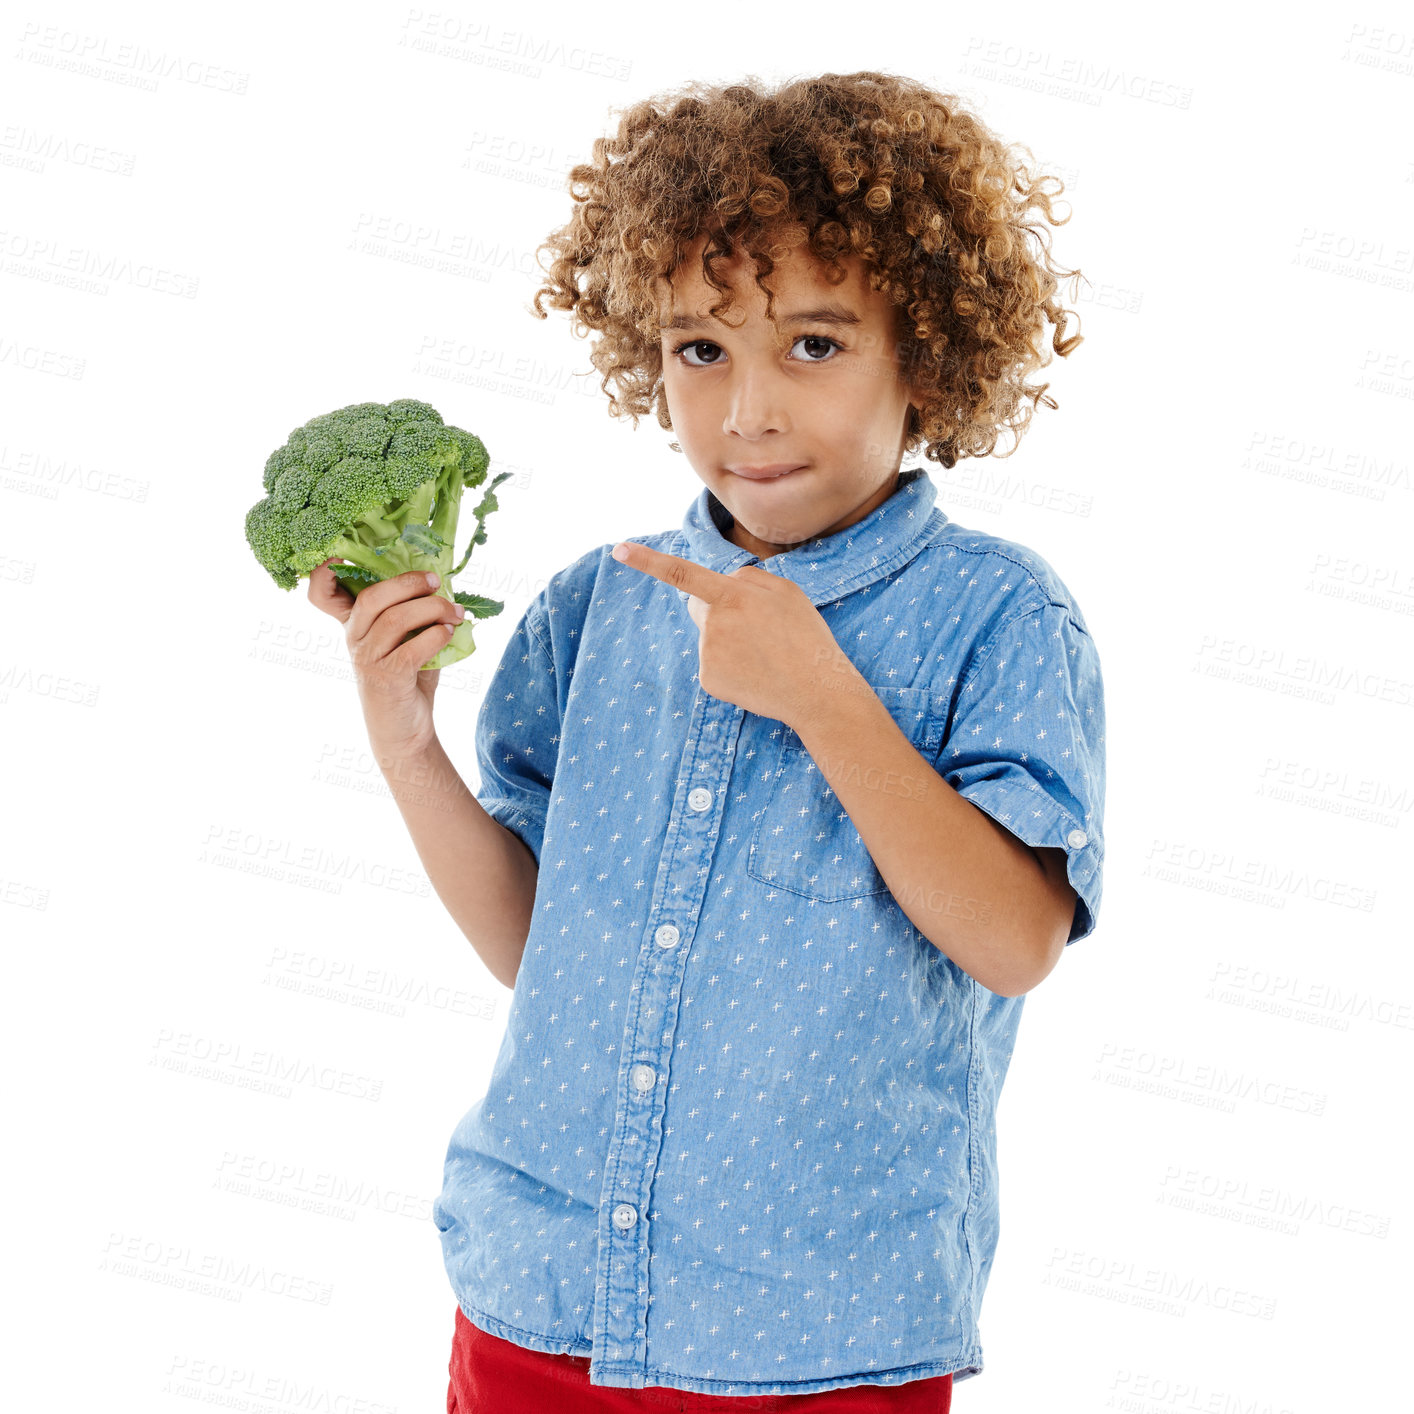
x=739, y=1136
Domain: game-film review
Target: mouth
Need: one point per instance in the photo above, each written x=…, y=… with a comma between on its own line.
x=777, y=472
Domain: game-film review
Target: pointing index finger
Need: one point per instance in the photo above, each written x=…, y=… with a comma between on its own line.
x=693, y=579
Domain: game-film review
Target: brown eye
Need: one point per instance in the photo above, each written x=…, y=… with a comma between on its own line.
x=696, y=344
x=818, y=339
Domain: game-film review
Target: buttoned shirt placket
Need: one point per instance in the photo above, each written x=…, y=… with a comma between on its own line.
x=679, y=891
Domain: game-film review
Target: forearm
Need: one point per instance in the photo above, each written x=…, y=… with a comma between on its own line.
x=973, y=889
x=484, y=874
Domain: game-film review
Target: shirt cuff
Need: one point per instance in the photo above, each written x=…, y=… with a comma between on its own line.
x=1037, y=820
x=526, y=824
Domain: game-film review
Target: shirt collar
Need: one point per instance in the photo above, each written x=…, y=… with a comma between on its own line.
x=830, y=566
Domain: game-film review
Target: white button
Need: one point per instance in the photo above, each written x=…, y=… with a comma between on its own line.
x=667, y=936
x=700, y=799
x=625, y=1216
x=1076, y=839
x=642, y=1078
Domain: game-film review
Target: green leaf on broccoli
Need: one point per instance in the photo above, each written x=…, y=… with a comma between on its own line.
x=477, y=606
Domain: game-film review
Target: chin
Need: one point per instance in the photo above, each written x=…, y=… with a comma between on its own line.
x=737, y=495
x=778, y=538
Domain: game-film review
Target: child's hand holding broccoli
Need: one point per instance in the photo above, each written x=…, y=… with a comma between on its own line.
x=391, y=628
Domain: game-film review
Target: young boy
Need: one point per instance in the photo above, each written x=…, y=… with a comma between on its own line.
x=781, y=813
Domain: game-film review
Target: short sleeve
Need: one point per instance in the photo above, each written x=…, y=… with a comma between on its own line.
x=518, y=734
x=1027, y=744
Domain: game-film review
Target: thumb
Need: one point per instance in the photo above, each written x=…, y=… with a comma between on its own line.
x=327, y=594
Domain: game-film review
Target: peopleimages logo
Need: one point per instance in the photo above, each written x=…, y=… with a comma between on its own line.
x=231, y=1063
x=133, y=65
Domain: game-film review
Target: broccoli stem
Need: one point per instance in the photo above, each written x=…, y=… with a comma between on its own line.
x=418, y=506
x=448, y=507
x=386, y=556
x=380, y=527
x=460, y=645
x=357, y=552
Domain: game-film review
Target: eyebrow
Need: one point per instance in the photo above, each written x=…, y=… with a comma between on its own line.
x=834, y=314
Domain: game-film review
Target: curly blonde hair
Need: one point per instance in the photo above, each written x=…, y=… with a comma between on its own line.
x=868, y=164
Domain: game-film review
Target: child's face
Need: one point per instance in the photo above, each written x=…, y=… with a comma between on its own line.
x=753, y=395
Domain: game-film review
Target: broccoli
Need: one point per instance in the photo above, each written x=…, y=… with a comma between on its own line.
x=379, y=485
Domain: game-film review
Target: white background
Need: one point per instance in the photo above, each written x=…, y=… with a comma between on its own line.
x=217, y=224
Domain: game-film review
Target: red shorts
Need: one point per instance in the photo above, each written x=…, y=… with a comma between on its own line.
x=495, y=1376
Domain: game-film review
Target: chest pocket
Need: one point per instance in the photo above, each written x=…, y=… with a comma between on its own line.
x=804, y=840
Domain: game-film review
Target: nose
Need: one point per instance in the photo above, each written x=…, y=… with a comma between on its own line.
x=757, y=401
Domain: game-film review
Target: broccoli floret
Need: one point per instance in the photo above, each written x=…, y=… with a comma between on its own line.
x=380, y=486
